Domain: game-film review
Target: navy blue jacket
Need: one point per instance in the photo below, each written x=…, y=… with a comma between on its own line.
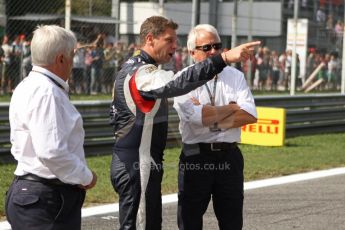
x=139, y=110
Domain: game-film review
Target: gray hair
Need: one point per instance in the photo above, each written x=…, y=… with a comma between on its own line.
x=49, y=41
x=194, y=33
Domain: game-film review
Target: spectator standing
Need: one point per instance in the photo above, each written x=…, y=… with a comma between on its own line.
x=185, y=57
x=26, y=60
x=178, y=60
x=275, y=70
x=2, y=55
x=16, y=62
x=120, y=55
x=97, y=55
x=6, y=83
x=321, y=16
x=311, y=64
x=288, y=64
x=88, y=63
x=79, y=70
x=339, y=31
x=282, y=59
x=332, y=72
x=109, y=66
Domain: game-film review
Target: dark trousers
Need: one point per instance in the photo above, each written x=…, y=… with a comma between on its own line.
x=125, y=178
x=211, y=174
x=32, y=205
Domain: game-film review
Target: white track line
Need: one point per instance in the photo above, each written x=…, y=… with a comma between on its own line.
x=171, y=198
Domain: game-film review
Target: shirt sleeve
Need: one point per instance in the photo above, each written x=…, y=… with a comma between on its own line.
x=187, y=111
x=51, y=127
x=245, y=99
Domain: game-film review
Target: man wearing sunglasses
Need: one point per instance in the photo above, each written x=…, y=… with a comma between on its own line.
x=211, y=164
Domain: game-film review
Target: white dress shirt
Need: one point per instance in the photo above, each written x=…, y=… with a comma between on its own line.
x=231, y=87
x=47, y=133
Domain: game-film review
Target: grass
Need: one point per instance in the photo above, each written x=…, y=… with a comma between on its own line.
x=300, y=154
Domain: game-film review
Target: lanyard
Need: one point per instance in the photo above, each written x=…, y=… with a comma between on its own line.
x=213, y=128
x=52, y=79
x=212, y=97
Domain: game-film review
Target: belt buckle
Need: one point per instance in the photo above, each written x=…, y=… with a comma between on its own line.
x=214, y=149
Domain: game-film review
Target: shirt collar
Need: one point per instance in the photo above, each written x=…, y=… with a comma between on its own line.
x=52, y=75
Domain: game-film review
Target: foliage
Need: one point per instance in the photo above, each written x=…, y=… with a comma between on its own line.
x=91, y=7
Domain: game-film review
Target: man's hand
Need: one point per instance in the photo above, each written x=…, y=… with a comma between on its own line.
x=240, y=53
x=92, y=184
x=233, y=106
x=195, y=101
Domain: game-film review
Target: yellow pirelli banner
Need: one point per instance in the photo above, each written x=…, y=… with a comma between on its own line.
x=269, y=129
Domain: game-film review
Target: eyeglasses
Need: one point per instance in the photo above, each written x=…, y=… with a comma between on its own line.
x=208, y=47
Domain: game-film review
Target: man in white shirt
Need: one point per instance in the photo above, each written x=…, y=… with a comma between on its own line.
x=211, y=164
x=47, y=139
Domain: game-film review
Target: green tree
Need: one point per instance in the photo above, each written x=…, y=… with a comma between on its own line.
x=91, y=7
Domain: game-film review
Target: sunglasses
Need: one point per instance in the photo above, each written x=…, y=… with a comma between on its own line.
x=208, y=47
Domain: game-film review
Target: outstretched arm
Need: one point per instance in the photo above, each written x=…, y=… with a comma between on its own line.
x=153, y=83
x=240, y=53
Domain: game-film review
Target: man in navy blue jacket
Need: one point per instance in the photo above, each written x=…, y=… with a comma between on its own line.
x=139, y=115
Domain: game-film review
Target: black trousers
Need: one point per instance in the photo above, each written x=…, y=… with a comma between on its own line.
x=125, y=178
x=32, y=205
x=209, y=174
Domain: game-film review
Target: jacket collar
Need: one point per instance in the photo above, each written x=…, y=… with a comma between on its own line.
x=146, y=57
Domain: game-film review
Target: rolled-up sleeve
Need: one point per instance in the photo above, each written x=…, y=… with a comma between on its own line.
x=187, y=111
x=245, y=99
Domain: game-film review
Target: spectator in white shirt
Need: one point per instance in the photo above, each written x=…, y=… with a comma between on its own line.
x=6, y=83
x=211, y=164
x=321, y=16
x=79, y=69
x=47, y=139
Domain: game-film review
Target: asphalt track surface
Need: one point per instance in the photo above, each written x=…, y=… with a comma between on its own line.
x=310, y=201
x=316, y=204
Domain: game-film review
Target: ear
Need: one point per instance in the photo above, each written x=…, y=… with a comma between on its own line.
x=149, y=39
x=59, y=59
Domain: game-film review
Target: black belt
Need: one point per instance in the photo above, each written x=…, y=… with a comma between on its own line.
x=217, y=146
x=33, y=177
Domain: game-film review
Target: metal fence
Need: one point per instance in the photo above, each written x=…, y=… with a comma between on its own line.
x=94, y=68
x=112, y=25
x=313, y=114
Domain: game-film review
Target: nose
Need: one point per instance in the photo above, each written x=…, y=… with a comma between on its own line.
x=174, y=46
x=213, y=51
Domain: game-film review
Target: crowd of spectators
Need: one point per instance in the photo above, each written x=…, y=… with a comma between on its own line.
x=95, y=66
x=15, y=62
x=271, y=70
x=334, y=25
